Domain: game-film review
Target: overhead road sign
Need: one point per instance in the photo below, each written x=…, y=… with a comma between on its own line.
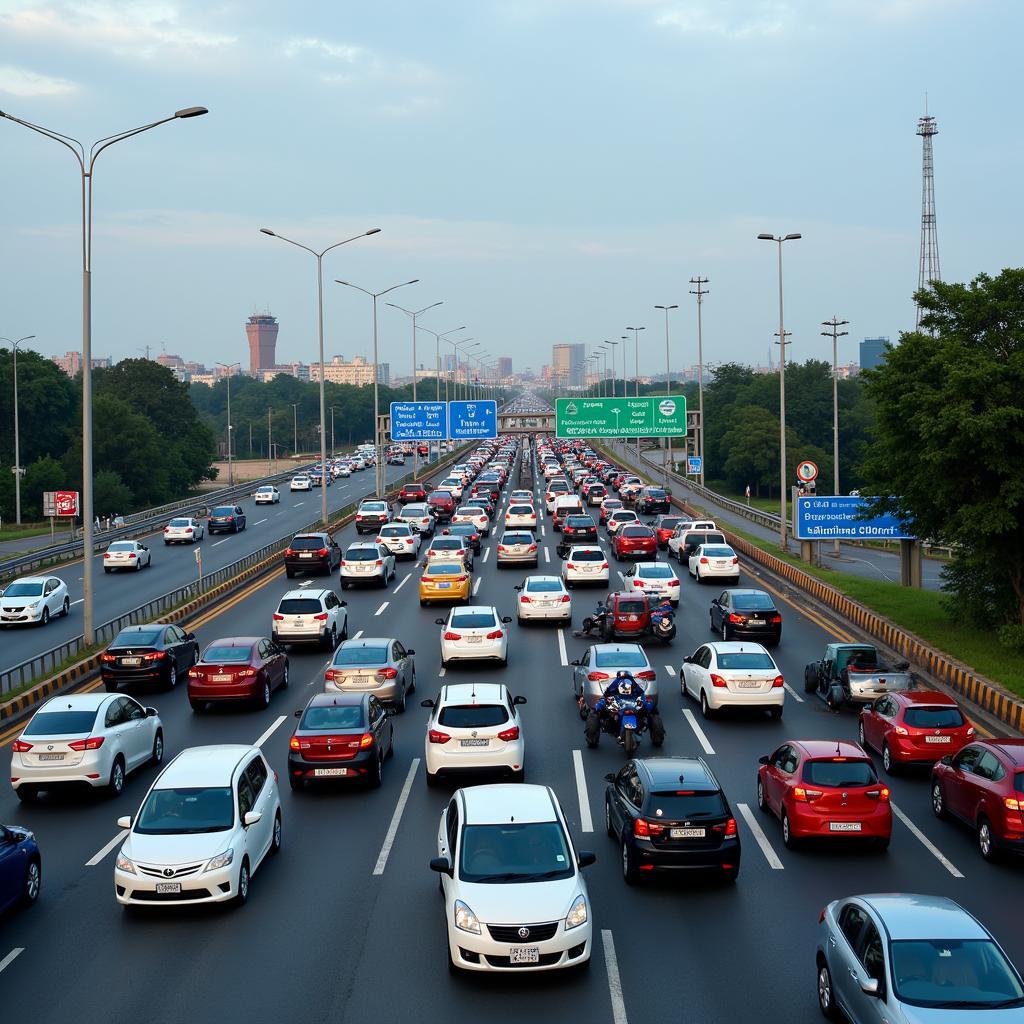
x=419, y=421
x=649, y=416
x=840, y=518
x=806, y=472
x=470, y=421
x=693, y=465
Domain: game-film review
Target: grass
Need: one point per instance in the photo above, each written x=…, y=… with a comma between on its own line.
x=25, y=530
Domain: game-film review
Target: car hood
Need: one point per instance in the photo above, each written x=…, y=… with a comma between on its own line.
x=18, y=602
x=930, y=1015
x=526, y=902
x=178, y=849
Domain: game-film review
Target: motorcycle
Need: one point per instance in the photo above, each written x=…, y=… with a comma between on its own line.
x=594, y=621
x=625, y=718
x=663, y=626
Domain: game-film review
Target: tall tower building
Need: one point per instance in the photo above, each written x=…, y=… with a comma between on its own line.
x=261, y=330
x=568, y=364
x=929, y=265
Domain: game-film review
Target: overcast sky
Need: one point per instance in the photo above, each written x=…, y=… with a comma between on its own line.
x=551, y=169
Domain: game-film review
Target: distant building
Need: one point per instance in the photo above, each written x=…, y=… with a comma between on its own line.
x=172, y=362
x=208, y=379
x=504, y=366
x=71, y=363
x=358, y=372
x=300, y=371
x=872, y=352
x=568, y=364
x=261, y=331
x=848, y=371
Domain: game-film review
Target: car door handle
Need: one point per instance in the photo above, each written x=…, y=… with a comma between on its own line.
x=852, y=973
x=831, y=941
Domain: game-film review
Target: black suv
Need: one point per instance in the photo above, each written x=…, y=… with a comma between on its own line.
x=651, y=500
x=579, y=528
x=670, y=814
x=226, y=518
x=316, y=551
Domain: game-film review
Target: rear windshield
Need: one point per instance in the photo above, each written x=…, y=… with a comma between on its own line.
x=395, y=531
x=299, y=606
x=373, y=506
x=306, y=543
x=360, y=656
x=704, y=538
x=445, y=569
x=628, y=607
x=361, y=555
x=681, y=804
x=580, y=521
x=441, y=496
x=620, y=659
x=447, y=544
x=462, y=530
x=229, y=655
x=587, y=555
x=472, y=716
x=718, y=552
x=517, y=538
x=1018, y=782
x=624, y=516
x=544, y=586
x=656, y=572
x=669, y=522
x=745, y=659
x=933, y=718
x=60, y=723
x=636, y=531
x=521, y=510
x=333, y=717
x=180, y=522
x=752, y=602
x=472, y=620
x=122, y=545
x=838, y=773
x=131, y=638
x=654, y=492
x=223, y=510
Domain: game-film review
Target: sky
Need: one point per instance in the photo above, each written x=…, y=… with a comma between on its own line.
x=549, y=169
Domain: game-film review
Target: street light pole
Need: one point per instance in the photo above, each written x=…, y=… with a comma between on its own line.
x=668, y=388
x=295, y=427
x=228, y=367
x=17, y=449
x=835, y=334
x=700, y=292
x=611, y=348
x=270, y=445
x=636, y=349
x=86, y=165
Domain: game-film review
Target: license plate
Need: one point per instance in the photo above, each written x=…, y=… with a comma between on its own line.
x=306, y=554
x=223, y=678
x=938, y=739
x=687, y=833
x=360, y=680
x=474, y=743
x=444, y=586
x=844, y=826
x=131, y=661
x=168, y=887
x=749, y=684
x=720, y=565
x=756, y=622
x=329, y=773
x=475, y=639
x=524, y=955
x=51, y=757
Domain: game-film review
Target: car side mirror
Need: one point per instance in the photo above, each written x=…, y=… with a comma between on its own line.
x=763, y=759
x=575, y=661
x=506, y=619
x=426, y=703
x=902, y=666
x=298, y=712
x=518, y=700
x=518, y=586
x=870, y=987
x=715, y=601
x=151, y=712
x=190, y=636
x=585, y=858
x=125, y=821
x=438, y=622
x=947, y=760
x=687, y=660
x=410, y=652
x=609, y=777
x=251, y=818
x=442, y=866
x=342, y=603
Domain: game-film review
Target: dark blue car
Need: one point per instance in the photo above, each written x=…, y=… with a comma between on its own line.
x=21, y=870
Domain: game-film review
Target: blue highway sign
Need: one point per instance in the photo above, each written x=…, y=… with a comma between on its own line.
x=693, y=464
x=418, y=421
x=472, y=420
x=839, y=518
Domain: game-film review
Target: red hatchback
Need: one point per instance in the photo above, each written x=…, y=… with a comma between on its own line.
x=824, y=788
x=983, y=786
x=412, y=492
x=629, y=615
x=914, y=727
x=239, y=668
x=635, y=542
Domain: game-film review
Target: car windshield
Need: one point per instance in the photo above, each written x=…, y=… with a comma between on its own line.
x=60, y=723
x=462, y=529
x=704, y=538
x=514, y=852
x=395, y=531
x=933, y=718
x=745, y=659
x=587, y=555
x=656, y=572
x=624, y=517
x=445, y=569
x=472, y=620
x=654, y=492
x=521, y=510
x=580, y=521
x=517, y=538
x=136, y=638
x=949, y=973
x=753, y=603
x=122, y=545
x=224, y=655
x=24, y=590
x=360, y=655
x=415, y=512
x=440, y=496
x=669, y=522
x=180, y=522
x=839, y=772
x=472, y=716
x=678, y=804
x=223, y=510
x=362, y=555
x=630, y=607
x=306, y=543
x=718, y=552
x=264, y=490
x=447, y=544
x=620, y=659
x=544, y=586
x=299, y=606
x=170, y=812
x=331, y=717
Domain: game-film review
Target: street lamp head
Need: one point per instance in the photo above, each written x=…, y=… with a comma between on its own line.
x=373, y=231
x=267, y=231
x=191, y=112
x=415, y=280
x=793, y=235
x=766, y=237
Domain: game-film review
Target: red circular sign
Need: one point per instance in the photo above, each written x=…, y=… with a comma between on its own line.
x=806, y=471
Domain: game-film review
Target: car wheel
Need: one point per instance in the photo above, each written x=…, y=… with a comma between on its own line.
x=158, y=748
x=376, y=775
x=289, y=573
x=826, y=998
x=66, y=607
x=986, y=842
x=344, y=629
x=400, y=705
x=861, y=737
x=776, y=713
x=198, y=706
x=608, y=820
x=630, y=873
x=412, y=684
x=264, y=698
x=788, y=839
x=106, y=569
x=284, y=676
x=115, y=785
x=705, y=708
x=762, y=802
x=330, y=640
x=725, y=631
x=27, y=794
x=938, y=801
x=45, y=617
x=295, y=783
x=891, y=767
x=172, y=677
x=33, y=882
x=242, y=891
x=432, y=780
x=275, y=839
x=138, y=564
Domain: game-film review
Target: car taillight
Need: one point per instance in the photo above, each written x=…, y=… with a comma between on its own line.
x=107, y=657
x=380, y=561
x=509, y=734
x=703, y=560
x=188, y=529
x=776, y=618
x=21, y=747
x=231, y=519
x=322, y=617
x=358, y=516
x=735, y=560
x=288, y=552
x=278, y=618
x=648, y=675
x=343, y=562
x=638, y=583
x=644, y=829
x=438, y=737
x=878, y=794
x=523, y=599
x=154, y=656
x=331, y=674
x=496, y=634
x=806, y=795
x=92, y=743
x=461, y=579
x=449, y=635
x=322, y=552
x=733, y=617
x=246, y=672
x=167, y=529
x=597, y=677
x=1012, y=803
x=604, y=565
x=717, y=680
x=501, y=547
x=366, y=740
x=569, y=565
x=533, y=547
x=778, y=682
x=387, y=673
x=295, y=744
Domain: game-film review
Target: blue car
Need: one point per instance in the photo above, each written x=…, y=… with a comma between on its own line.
x=21, y=869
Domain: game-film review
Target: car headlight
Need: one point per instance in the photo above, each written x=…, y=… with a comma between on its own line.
x=577, y=913
x=33, y=606
x=465, y=919
x=221, y=861
x=124, y=864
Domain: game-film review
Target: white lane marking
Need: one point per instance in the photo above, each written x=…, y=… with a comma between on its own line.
x=357, y=635
x=258, y=521
x=11, y=957
x=441, y=672
x=561, y=647
x=611, y=966
x=476, y=585
x=402, y=584
x=105, y=849
x=926, y=842
x=298, y=503
x=381, y=608
x=762, y=840
x=796, y=696
x=547, y=555
x=79, y=601
x=691, y=718
x=670, y=670
x=396, y=818
x=217, y=543
x=270, y=732
x=487, y=551
x=542, y=533
x=586, y=821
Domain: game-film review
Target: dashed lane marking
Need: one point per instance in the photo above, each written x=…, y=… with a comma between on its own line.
x=97, y=857
x=217, y=543
x=691, y=718
x=762, y=840
x=547, y=555
x=926, y=842
x=796, y=696
x=586, y=820
x=396, y=819
x=476, y=585
x=381, y=608
x=670, y=670
x=561, y=647
x=611, y=965
x=405, y=580
x=358, y=635
x=487, y=551
x=11, y=957
x=270, y=732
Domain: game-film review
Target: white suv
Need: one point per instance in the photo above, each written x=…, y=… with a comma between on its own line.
x=400, y=539
x=586, y=563
x=545, y=598
x=367, y=562
x=311, y=616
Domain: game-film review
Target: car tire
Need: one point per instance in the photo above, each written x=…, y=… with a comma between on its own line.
x=725, y=631
x=295, y=782
x=432, y=780
x=289, y=572
x=65, y=608
x=938, y=801
x=861, y=737
x=27, y=794
x=33, y=882
x=158, y=748
x=198, y=706
x=115, y=784
x=412, y=684
x=630, y=872
x=284, y=677
x=376, y=777
x=762, y=801
x=264, y=697
x=106, y=569
x=788, y=839
x=244, y=882
x=110, y=687
x=888, y=763
x=400, y=705
x=275, y=838
x=330, y=640
x=706, y=710
x=826, y=993
x=44, y=619
x=987, y=845
x=172, y=677
x=608, y=820
x=776, y=713
x=138, y=564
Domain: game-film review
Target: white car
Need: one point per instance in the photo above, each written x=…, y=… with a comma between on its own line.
x=521, y=497
x=521, y=516
x=208, y=822
x=474, y=633
x=300, y=483
x=620, y=518
x=417, y=514
x=345, y=470
x=126, y=554
x=514, y=895
x=85, y=740
x=452, y=484
x=474, y=515
x=366, y=562
x=545, y=598
x=400, y=539
x=34, y=599
x=714, y=561
x=586, y=563
x=267, y=495
x=310, y=615
x=474, y=727
x=733, y=674
x=656, y=579
x=447, y=548
x=183, y=531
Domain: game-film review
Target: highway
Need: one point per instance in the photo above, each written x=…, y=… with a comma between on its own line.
x=345, y=942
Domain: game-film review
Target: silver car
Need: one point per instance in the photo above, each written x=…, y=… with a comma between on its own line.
x=910, y=959
x=378, y=665
x=517, y=547
x=418, y=515
x=593, y=673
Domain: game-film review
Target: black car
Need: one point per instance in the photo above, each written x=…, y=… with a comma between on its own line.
x=693, y=539
x=312, y=551
x=225, y=519
x=340, y=736
x=670, y=814
x=157, y=652
x=579, y=528
x=746, y=615
x=468, y=531
x=652, y=499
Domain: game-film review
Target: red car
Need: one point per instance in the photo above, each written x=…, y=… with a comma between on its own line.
x=629, y=615
x=635, y=542
x=240, y=668
x=983, y=786
x=412, y=492
x=914, y=727
x=664, y=527
x=824, y=788
x=443, y=505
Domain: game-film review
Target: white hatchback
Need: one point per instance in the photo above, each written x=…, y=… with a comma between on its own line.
x=474, y=515
x=733, y=674
x=585, y=564
x=543, y=598
x=34, y=599
x=714, y=561
x=126, y=554
x=183, y=531
x=400, y=539
x=267, y=495
x=474, y=633
x=656, y=579
x=521, y=516
x=620, y=518
x=366, y=562
x=300, y=483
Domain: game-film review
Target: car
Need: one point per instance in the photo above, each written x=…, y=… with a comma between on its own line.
x=656, y=579
x=593, y=673
x=396, y=459
x=596, y=494
x=746, y=615
x=545, y=598
x=915, y=727
x=469, y=533
x=318, y=478
x=366, y=562
x=340, y=736
x=381, y=666
x=236, y=669
x=310, y=615
x=482, y=502
x=208, y=822
x=85, y=740
x=183, y=530
x=521, y=496
x=318, y=552
x=371, y=515
x=345, y=470
x=268, y=494
x=448, y=547
x=565, y=505
x=907, y=958
x=516, y=547
x=442, y=504
x=664, y=526
x=684, y=542
x=619, y=518
x=155, y=652
x=33, y=600
x=608, y=506
x=301, y=482
x=521, y=516
x=714, y=561
x=585, y=563
x=555, y=489
x=419, y=516
x=453, y=485
x=476, y=633
x=412, y=492
x=737, y=674
x=400, y=539
x=579, y=528
x=983, y=786
x=474, y=516
x=444, y=580
x=629, y=614
x=21, y=867
x=474, y=728
x=670, y=814
x=652, y=500
x=852, y=673
x=125, y=554
x=225, y=519
x=514, y=895
x=635, y=541
x=824, y=789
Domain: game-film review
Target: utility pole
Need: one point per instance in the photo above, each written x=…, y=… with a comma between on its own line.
x=835, y=334
x=668, y=391
x=929, y=271
x=700, y=292
x=228, y=368
x=636, y=350
x=295, y=422
x=270, y=445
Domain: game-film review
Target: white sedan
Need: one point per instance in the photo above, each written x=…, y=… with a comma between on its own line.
x=452, y=484
x=474, y=515
x=126, y=554
x=545, y=598
x=586, y=563
x=301, y=483
x=400, y=539
x=656, y=579
x=183, y=531
x=620, y=518
x=33, y=599
x=267, y=495
x=85, y=739
x=522, y=516
x=714, y=561
x=474, y=633
x=733, y=674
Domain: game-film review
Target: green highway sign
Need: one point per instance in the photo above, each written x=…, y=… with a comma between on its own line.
x=649, y=416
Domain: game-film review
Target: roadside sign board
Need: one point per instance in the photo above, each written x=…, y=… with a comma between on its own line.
x=648, y=416
x=60, y=503
x=469, y=421
x=416, y=421
x=839, y=518
x=693, y=465
x=806, y=472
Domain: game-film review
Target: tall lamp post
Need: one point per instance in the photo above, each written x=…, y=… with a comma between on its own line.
x=700, y=292
x=783, y=478
x=17, y=449
x=228, y=368
x=668, y=387
x=611, y=348
x=636, y=350
x=835, y=334
x=86, y=165
x=295, y=428
x=378, y=468
x=320, y=337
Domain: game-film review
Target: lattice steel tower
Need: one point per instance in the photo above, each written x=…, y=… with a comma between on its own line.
x=929, y=269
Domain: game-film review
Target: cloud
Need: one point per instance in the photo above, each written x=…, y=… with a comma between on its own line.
x=23, y=82
x=727, y=18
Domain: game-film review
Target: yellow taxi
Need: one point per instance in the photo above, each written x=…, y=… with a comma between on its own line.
x=444, y=581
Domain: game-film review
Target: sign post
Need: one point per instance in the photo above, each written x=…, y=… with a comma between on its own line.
x=648, y=416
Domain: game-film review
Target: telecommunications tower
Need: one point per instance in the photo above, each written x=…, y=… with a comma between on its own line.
x=929, y=268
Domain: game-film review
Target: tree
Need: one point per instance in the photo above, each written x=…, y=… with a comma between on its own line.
x=111, y=496
x=45, y=474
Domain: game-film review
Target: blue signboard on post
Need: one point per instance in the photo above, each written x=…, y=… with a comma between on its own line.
x=418, y=421
x=840, y=518
x=693, y=464
x=468, y=421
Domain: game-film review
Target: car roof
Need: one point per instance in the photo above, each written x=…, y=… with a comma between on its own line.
x=544, y=579
x=928, y=698
x=642, y=567
x=747, y=592
x=473, y=693
x=831, y=748
x=346, y=698
x=618, y=649
x=914, y=916
x=305, y=592
x=474, y=608
x=366, y=641
x=678, y=771
x=76, y=702
x=586, y=547
x=310, y=533
x=212, y=765
x=736, y=646
x=142, y=628
x=235, y=641
x=1011, y=748
x=496, y=804
x=363, y=544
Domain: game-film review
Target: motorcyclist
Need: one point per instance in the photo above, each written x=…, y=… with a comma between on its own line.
x=624, y=686
x=663, y=608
